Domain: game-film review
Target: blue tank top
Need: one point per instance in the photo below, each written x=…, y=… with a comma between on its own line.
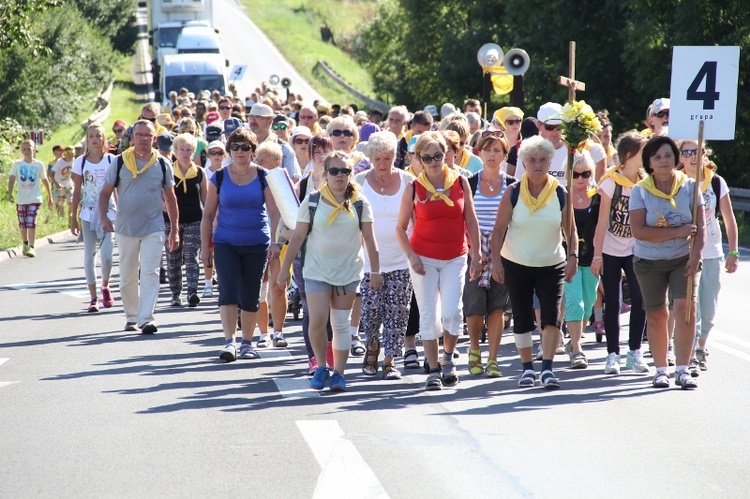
x=243, y=219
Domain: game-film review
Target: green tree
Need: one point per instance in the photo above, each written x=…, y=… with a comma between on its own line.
x=16, y=18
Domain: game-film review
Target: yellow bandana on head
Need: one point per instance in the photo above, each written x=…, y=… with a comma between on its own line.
x=648, y=184
x=128, y=159
x=450, y=178
x=544, y=196
x=337, y=207
x=183, y=178
x=708, y=176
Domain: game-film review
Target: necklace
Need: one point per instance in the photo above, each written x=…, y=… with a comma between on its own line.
x=490, y=186
x=382, y=181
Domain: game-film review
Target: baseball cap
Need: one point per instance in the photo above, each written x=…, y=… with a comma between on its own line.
x=216, y=144
x=261, y=110
x=659, y=105
x=431, y=109
x=302, y=130
x=550, y=113
x=410, y=145
x=367, y=130
x=164, y=141
x=231, y=124
x=211, y=117
x=213, y=132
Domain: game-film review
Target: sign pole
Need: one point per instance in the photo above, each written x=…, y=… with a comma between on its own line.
x=696, y=193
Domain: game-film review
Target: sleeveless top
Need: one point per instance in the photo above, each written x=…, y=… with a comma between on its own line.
x=242, y=220
x=535, y=240
x=189, y=203
x=439, y=230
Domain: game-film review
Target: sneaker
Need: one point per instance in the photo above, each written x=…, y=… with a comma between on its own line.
x=208, y=293
x=163, y=276
x=561, y=347
x=694, y=367
x=671, y=359
x=661, y=380
x=229, y=352
x=684, y=380
x=149, y=328
x=702, y=355
x=31, y=253
x=247, y=352
x=449, y=376
x=318, y=381
x=527, y=380
x=94, y=305
x=312, y=365
x=279, y=341
x=175, y=302
x=264, y=340
x=26, y=249
x=357, y=348
x=613, y=364
x=193, y=300
x=433, y=382
x=598, y=327
x=635, y=362
x=539, y=353
x=130, y=326
x=338, y=382
x=550, y=381
x=579, y=361
x=625, y=308
x=107, y=299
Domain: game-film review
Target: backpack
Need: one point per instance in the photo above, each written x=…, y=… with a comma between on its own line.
x=474, y=182
x=313, y=200
x=219, y=176
x=716, y=187
x=515, y=192
x=120, y=162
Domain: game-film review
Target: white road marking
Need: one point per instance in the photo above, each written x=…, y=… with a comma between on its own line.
x=274, y=353
x=5, y=383
x=74, y=287
x=344, y=473
x=295, y=387
x=726, y=338
x=3, y=361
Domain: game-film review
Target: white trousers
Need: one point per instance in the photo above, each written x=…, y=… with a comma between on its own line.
x=139, y=302
x=440, y=288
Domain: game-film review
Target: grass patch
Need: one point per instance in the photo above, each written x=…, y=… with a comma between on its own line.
x=47, y=221
x=294, y=27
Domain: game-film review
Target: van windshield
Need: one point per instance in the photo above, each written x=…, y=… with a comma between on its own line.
x=168, y=36
x=199, y=51
x=194, y=83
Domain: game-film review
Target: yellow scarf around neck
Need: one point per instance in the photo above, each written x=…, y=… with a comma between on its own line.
x=183, y=178
x=128, y=159
x=615, y=174
x=544, y=196
x=450, y=178
x=648, y=184
x=708, y=176
x=337, y=207
x=465, y=157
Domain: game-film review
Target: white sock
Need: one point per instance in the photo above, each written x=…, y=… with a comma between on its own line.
x=598, y=314
x=354, y=330
x=277, y=333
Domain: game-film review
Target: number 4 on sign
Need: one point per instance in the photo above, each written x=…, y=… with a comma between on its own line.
x=238, y=72
x=709, y=95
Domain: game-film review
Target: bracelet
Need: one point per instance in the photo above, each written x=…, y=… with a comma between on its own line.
x=597, y=259
x=734, y=253
x=573, y=255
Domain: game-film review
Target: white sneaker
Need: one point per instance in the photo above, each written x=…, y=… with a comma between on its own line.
x=539, y=353
x=561, y=347
x=264, y=340
x=613, y=364
x=635, y=362
x=208, y=293
x=229, y=352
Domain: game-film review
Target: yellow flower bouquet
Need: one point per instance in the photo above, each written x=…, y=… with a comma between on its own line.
x=579, y=123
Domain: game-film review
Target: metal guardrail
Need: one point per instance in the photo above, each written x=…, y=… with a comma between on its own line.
x=740, y=198
x=372, y=103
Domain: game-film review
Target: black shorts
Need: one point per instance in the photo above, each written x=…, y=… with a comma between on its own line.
x=239, y=270
x=522, y=282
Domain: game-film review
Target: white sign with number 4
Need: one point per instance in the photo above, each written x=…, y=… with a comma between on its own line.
x=704, y=87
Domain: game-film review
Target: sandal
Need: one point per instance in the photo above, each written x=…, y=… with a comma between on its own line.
x=357, y=348
x=492, y=370
x=475, y=362
x=390, y=372
x=411, y=359
x=370, y=362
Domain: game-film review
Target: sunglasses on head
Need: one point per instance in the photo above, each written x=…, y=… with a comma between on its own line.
x=512, y=122
x=551, y=128
x=216, y=153
x=237, y=147
x=335, y=171
x=688, y=153
x=225, y=108
x=339, y=133
x=586, y=174
x=493, y=133
x=426, y=160
x=662, y=114
x=280, y=126
x=301, y=141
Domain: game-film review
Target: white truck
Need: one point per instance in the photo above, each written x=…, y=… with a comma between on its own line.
x=195, y=72
x=168, y=17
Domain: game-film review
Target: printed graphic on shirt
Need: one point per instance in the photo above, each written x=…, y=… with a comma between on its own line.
x=619, y=224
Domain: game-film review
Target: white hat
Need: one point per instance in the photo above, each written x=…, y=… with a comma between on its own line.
x=550, y=113
x=447, y=110
x=217, y=144
x=659, y=105
x=261, y=110
x=302, y=130
x=431, y=109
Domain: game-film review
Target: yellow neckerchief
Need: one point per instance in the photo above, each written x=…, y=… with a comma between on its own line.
x=648, y=184
x=611, y=151
x=616, y=176
x=450, y=178
x=465, y=157
x=183, y=178
x=708, y=176
x=544, y=196
x=337, y=207
x=128, y=159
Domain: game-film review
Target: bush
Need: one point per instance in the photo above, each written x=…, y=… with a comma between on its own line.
x=11, y=135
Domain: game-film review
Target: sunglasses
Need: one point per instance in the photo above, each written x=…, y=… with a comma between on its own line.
x=280, y=126
x=339, y=133
x=335, y=171
x=662, y=114
x=216, y=153
x=118, y=130
x=689, y=153
x=512, y=122
x=225, y=108
x=551, y=128
x=244, y=147
x=586, y=174
x=493, y=133
x=301, y=141
x=426, y=160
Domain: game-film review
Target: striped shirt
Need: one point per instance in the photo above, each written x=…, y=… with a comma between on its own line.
x=486, y=207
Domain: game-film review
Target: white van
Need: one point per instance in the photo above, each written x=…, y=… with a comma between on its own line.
x=198, y=40
x=195, y=72
x=164, y=38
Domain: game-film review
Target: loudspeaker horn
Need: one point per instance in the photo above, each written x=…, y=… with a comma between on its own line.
x=286, y=82
x=274, y=80
x=490, y=55
x=516, y=62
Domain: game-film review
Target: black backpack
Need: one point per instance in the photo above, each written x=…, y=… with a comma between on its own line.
x=313, y=200
x=474, y=182
x=120, y=162
x=219, y=176
x=515, y=190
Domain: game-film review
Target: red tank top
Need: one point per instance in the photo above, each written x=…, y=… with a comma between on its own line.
x=439, y=230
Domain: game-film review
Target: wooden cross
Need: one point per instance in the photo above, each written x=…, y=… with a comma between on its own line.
x=570, y=81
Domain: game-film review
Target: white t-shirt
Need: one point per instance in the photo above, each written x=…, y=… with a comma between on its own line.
x=597, y=153
x=62, y=170
x=385, y=211
x=28, y=179
x=556, y=167
x=618, y=239
x=92, y=180
x=713, y=248
x=334, y=252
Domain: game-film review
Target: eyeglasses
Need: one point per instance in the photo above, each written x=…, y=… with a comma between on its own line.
x=512, y=122
x=280, y=126
x=552, y=128
x=662, y=114
x=306, y=117
x=586, y=174
x=301, y=141
x=225, y=108
x=339, y=133
x=216, y=153
x=335, y=171
x=426, y=160
x=144, y=135
x=688, y=153
x=237, y=147
x=493, y=133
x=118, y=130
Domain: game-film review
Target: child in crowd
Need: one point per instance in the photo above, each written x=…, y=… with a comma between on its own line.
x=57, y=154
x=30, y=174
x=62, y=184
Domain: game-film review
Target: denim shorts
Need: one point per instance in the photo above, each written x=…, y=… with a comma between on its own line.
x=312, y=286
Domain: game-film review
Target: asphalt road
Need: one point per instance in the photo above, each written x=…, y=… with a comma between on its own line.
x=87, y=410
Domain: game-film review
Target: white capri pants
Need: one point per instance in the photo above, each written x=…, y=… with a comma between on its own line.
x=440, y=288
